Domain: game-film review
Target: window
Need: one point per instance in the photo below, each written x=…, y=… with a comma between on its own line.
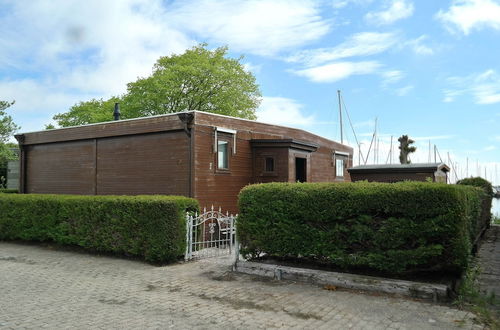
x=269, y=164
x=339, y=167
x=222, y=155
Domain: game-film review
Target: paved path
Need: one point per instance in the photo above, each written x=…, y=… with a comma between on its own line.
x=488, y=258
x=45, y=288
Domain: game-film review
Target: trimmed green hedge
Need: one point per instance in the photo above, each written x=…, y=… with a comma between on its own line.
x=9, y=191
x=151, y=227
x=486, y=201
x=395, y=228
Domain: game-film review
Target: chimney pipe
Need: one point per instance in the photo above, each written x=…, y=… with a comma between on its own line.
x=116, y=113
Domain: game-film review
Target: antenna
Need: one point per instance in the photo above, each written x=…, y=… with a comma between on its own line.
x=340, y=116
x=389, y=156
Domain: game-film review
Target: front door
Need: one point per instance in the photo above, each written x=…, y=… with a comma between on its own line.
x=300, y=169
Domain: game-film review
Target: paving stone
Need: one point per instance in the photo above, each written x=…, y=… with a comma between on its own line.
x=47, y=288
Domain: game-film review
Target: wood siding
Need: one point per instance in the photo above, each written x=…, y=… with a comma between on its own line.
x=221, y=189
x=143, y=164
x=154, y=156
x=155, y=163
x=392, y=177
x=61, y=168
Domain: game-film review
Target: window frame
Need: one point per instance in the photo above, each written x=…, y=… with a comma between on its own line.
x=266, y=171
x=344, y=158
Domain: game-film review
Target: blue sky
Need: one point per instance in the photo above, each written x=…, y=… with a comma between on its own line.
x=429, y=69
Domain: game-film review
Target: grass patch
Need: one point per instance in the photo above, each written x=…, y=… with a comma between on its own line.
x=470, y=297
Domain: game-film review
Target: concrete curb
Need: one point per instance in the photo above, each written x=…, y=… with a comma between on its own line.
x=428, y=291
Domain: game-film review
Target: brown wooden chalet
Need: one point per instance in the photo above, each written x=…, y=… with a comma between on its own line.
x=202, y=155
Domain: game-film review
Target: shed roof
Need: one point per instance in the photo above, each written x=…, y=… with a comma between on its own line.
x=400, y=168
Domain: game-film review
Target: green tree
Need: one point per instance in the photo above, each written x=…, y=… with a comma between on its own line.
x=7, y=129
x=87, y=112
x=199, y=79
x=405, y=149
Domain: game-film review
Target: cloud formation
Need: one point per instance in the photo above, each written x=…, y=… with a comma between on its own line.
x=393, y=11
x=337, y=71
x=282, y=111
x=468, y=15
x=484, y=87
x=359, y=44
x=255, y=26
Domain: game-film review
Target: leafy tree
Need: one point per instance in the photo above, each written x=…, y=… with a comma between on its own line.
x=405, y=149
x=7, y=129
x=88, y=112
x=199, y=79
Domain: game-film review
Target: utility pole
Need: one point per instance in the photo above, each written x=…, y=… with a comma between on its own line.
x=340, y=116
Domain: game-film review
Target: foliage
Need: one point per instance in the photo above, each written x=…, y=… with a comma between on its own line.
x=152, y=227
x=395, y=228
x=405, y=149
x=88, y=112
x=7, y=129
x=486, y=199
x=9, y=191
x=478, y=182
x=470, y=297
x=199, y=79
x=496, y=220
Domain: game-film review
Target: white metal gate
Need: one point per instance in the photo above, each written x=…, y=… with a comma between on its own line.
x=210, y=234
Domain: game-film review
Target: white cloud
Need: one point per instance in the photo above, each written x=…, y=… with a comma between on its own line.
x=403, y=90
x=282, y=111
x=484, y=87
x=393, y=11
x=255, y=26
x=391, y=77
x=468, y=15
x=360, y=44
x=99, y=50
x=337, y=71
x=419, y=47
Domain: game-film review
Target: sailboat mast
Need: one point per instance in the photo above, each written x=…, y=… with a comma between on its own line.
x=340, y=116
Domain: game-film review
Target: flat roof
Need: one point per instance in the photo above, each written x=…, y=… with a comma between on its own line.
x=385, y=168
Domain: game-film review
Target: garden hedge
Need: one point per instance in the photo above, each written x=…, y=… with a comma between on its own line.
x=486, y=201
x=8, y=191
x=151, y=227
x=395, y=228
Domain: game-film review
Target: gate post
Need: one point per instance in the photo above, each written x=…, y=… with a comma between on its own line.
x=236, y=245
x=187, y=254
x=231, y=228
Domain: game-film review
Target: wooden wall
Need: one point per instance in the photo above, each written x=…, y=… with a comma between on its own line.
x=155, y=156
x=391, y=177
x=221, y=188
x=61, y=168
x=154, y=163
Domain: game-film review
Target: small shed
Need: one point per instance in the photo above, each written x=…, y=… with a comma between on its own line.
x=437, y=172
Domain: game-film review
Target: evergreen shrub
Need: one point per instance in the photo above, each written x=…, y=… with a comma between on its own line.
x=396, y=228
x=486, y=201
x=8, y=191
x=150, y=227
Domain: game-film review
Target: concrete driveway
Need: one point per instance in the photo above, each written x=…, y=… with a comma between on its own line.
x=41, y=287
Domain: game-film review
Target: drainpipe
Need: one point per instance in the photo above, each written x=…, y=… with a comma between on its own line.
x=187, y=119
x=22, y=163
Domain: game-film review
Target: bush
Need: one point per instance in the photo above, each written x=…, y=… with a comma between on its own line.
x=151, y=227
x=486, y=201
x=9, y=191
x=394, y=228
